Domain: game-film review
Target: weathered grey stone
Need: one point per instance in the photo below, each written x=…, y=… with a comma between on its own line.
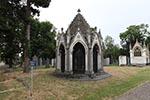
x=40, y=62
x=79, y=50
x=35, y=58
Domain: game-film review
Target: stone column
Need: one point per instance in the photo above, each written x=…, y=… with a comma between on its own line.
x=58, y=69
x=89, y=62
x=68, y=69
x=99, y=61
x=100, y=70
x=70, y=61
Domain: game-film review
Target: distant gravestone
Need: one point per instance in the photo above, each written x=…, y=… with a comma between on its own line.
x=40, y=62
x=122, y=60
x=53, y=62
x=2, y=63
x=35, y=58
x=47, y=62
x=106, y=61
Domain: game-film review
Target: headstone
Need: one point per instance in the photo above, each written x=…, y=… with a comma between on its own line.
x=53, y=62
x=106, y=61
x=2, y=63
x=122, y=60
x=47, y=62
x=35, y=58
x=40, y=62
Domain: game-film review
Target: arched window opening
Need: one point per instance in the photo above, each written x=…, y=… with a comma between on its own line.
x=62, y=58
x=137, y=52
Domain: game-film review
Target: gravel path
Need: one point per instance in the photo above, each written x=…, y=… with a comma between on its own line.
x=142, y=92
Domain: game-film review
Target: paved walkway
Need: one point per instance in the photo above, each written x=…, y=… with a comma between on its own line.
x=142, y=92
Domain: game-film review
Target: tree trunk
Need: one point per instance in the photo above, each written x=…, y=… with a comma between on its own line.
x=27, y=34
x=10, y=63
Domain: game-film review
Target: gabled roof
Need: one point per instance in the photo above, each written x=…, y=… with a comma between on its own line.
x=137, y=44
x=78, y=22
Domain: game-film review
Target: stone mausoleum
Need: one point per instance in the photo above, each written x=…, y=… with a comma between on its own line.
x=139, y=54
x=79, y=50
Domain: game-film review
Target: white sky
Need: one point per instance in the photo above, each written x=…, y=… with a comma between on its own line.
x=111, y=16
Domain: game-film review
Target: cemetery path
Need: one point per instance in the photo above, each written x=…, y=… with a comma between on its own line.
x=141, y=92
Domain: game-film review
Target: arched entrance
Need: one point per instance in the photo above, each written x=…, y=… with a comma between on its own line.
x=78, y=59
x=62, y=58
x=95, y=58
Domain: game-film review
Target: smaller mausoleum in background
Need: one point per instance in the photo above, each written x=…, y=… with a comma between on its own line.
x=139, y=54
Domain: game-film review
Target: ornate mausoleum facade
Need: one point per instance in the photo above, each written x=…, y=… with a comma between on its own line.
x=139, y=54
x=79, y=49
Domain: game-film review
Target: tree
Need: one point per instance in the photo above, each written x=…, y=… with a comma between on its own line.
x=132, y=33
x=31, y=11
x=14, y=12
x=42, y=39
x=9, y=31
x=111, y=49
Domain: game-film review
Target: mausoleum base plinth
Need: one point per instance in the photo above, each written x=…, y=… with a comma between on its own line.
x=86, y=77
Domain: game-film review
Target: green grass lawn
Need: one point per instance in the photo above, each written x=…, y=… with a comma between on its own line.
x=47, y=87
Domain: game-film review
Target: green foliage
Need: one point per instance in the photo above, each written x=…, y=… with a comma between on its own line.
x=42, y=39
x=9, y=30
x=111, y=50
x=41, y=3
x=14, y=16
x=132, y=33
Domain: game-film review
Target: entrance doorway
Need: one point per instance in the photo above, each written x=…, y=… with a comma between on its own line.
x=78, y=59
x=95, y=58
x=62, y=57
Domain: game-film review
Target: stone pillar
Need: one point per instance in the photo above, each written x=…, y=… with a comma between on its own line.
x=70, y=62
x=58, y=69
x=101, y=70
x=68, y=69
x=66, y=58
x=89, y=62
x=86, y=61
x=99, y=61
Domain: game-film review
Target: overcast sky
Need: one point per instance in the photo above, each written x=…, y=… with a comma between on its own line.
x=111, y=16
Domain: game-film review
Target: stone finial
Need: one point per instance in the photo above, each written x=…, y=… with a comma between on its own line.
x=62, y=30
x=100, y=34
x=95, y=28
x=78, y=10
x=130, y=46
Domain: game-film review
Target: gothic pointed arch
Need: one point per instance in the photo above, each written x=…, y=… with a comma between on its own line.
x=95, y=58
x=78, y=59
x=137, y=52
x=62, y=57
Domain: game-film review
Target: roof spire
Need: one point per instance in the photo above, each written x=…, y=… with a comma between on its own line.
x=136, y=40
x=78, y=10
